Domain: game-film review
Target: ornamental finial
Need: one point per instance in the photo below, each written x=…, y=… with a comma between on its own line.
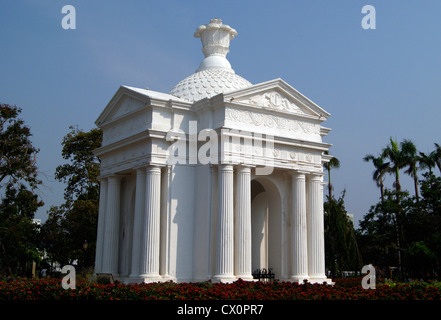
x=215, y=38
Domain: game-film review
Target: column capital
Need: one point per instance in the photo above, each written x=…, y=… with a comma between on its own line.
x=114, y=178
x=140, y=170
x=110, y=175
x=225, y=167
x=153, y=169
x=298, y=173
x=315, y=176
x=243, y=168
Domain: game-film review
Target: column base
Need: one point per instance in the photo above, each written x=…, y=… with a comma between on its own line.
x=321, y=280
x=224, y=279
x=245, y=277
x=299, y=279
x=148, y=278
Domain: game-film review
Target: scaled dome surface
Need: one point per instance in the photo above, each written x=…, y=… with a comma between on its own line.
x=214, y=74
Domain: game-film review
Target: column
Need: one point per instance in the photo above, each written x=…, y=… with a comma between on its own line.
x=165, y=222
x=111, y=236
x=101, y=225
x=150, y=240
x=224, y=240
x=316, y=241
x=138, y=223
x=242, y=227
x=299, y=258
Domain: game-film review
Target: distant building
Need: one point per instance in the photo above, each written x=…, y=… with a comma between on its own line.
x=213, y=180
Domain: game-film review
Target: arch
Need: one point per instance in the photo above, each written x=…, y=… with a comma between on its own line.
x=266, y=225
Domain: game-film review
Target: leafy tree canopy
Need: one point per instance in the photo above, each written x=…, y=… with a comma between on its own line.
x=19, y=203
x=70, y=231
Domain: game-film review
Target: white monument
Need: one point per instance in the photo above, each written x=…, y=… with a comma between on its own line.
x=213, y=180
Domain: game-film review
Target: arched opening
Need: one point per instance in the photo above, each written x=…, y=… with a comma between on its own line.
x=266, y=226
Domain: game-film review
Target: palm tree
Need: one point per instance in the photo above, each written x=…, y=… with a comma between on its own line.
x=427, y=161
x=333, y=163
x=380, y=169
x=409, y=152
x=437, y=156
x=397, y=161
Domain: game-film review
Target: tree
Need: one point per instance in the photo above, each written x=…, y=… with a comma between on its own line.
x=17, y=154
x=427, y=161
x=18, y=172
x=411, y=160
x=416, y=247
x=333, y=163
x=81, y=174
x=398, y=156
x=437, y=156
x=379, y=235
x=76, y=220
x=55, y=239
x=341, y=246
x=397, y=161
x=380, y=169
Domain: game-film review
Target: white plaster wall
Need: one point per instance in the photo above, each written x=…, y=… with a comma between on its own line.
x=202, y=222
x=126, y=225
x=259, y=236
x=181, y=222
x=277, y=225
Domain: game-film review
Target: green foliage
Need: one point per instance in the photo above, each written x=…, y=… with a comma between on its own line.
x=403, y=231
x=70, y=231
x=17, y=155
x=83, y=168
x=18, y=234
x=419, y=237
x=340, y=243
x=333, y=163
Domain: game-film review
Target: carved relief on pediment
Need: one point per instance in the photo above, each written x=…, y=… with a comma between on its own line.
x=274, y=100
x=271, y=121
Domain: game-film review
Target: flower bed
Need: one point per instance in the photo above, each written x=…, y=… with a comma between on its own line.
x=51, y=289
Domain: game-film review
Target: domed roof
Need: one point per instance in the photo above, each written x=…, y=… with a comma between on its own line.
x=214, y=74
x=208, y=83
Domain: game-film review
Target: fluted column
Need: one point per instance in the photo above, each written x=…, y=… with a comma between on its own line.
x=224, y=240
x=242, y=227
x=101, y=226
x=316, y=241
x=299, y=258
x=150, y=239
x=138, y=223
x=111, y=237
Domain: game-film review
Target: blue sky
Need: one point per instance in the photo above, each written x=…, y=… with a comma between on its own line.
x=375, y=83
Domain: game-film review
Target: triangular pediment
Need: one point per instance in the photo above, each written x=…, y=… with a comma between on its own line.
x=128, y=100
x=278, y=96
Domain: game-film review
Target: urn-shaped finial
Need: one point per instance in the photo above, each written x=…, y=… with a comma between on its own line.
x=215, y=38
